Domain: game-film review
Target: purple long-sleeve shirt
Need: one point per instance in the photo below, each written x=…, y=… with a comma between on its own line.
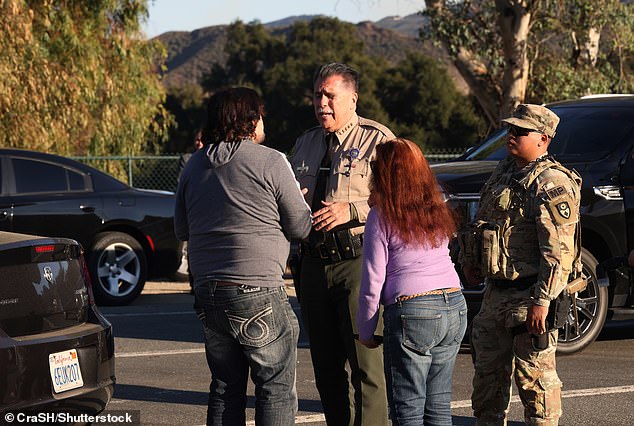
x=392, y=269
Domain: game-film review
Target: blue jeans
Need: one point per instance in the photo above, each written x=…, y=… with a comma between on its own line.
x=249, y=329
x=421, y=341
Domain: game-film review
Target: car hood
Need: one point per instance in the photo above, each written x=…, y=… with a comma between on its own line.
x=460, y=177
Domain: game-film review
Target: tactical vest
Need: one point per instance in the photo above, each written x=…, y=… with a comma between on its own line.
x=502, y=240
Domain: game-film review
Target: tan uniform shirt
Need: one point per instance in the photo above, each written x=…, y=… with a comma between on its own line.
x=349, y=176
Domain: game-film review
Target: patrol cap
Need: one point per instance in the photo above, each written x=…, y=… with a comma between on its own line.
x=534, y=117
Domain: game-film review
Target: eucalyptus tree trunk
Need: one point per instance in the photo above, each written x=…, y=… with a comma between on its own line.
x=475, y=74
x=586, y=49
x=499, y=98
x=514, y=19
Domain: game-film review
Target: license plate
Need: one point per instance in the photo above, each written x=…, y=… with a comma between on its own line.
x=65, y=371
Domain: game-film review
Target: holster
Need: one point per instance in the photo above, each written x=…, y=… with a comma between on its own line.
x=558, y=310
x=334, y=246
x=349, y=245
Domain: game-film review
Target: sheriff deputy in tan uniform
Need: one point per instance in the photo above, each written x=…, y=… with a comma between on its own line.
x=524, y=242
x=332, y=162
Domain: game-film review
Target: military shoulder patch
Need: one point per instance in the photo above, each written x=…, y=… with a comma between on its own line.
x=561, y=209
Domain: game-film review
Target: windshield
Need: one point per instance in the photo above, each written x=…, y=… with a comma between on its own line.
x=584, y=133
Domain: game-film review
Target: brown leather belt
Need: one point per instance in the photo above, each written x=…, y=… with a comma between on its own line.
x=427, y=293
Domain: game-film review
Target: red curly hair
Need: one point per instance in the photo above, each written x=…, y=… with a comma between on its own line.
x=406, y=194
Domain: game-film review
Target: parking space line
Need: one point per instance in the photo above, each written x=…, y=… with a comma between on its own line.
x=314, y=418
x=573, y=393
x=160, y=353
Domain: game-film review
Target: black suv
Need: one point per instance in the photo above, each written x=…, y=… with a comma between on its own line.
x=596, y=138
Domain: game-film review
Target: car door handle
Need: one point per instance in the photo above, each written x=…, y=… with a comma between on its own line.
x=87, y=209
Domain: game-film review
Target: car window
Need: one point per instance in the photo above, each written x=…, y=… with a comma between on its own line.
x=37, y=176
x=492, y=149
x=590, y=134
x=75, y=181
x=586, y=134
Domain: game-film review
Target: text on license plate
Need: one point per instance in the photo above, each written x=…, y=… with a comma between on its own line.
x=65, y=371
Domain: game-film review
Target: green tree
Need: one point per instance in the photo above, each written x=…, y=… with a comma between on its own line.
x=416, y=98
x=187, y=105
x=281, y=67
x=77, y=77
x=511, y=51
x=426, y=107
x=593, y=53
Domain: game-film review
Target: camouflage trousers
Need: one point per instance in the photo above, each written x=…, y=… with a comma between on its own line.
x=499, y=353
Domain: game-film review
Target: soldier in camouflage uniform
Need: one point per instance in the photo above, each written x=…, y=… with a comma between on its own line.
x=523, y=242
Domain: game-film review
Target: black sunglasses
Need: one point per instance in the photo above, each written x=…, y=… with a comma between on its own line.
x=519, y=131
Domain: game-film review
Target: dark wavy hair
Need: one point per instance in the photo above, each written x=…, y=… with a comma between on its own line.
x=406, y=194
x=232, y=115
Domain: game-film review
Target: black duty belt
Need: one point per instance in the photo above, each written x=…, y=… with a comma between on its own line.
x=335, y=246
x=517, y=284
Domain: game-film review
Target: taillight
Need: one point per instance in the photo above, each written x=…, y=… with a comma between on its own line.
x=44, y=249
x=149, y=240
x=87, y=280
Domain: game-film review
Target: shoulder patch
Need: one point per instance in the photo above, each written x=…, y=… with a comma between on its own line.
x=563, y=209
x=555, y=192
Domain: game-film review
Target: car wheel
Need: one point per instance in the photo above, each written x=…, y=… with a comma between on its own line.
x=592, y=308
x=118, y=268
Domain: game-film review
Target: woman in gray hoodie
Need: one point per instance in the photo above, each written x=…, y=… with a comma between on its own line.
x=238, y=206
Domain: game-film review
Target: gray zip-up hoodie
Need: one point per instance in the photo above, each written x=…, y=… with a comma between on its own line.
x=238, y=205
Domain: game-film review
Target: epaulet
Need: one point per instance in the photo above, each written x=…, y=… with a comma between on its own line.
x=366, y=122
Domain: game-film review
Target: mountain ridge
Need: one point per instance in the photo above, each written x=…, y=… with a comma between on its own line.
x=191, y=54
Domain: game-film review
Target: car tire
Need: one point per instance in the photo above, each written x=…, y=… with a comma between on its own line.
x=592, y=309
x=118, y=268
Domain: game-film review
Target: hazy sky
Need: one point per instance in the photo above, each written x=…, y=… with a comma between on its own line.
x=188, y=15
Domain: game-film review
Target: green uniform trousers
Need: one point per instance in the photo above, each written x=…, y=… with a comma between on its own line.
x=499, y=354
x=329, y=301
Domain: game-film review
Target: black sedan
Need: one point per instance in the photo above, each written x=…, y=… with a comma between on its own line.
x=128, y=233
x=56, y=349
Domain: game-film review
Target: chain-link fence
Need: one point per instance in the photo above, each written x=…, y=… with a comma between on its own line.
x=161, y=172
x=148, y=172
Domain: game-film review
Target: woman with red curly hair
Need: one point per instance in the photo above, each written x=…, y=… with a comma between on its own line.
x=406, y=267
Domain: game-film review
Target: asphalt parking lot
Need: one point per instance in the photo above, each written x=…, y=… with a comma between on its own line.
x=161, y=369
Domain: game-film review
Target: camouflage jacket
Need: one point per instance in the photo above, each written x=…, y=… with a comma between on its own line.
x=529, y=218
